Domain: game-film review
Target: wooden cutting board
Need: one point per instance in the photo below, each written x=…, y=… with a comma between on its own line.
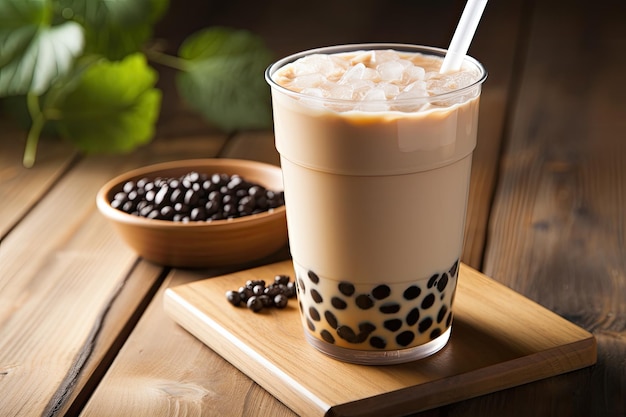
x=500, y=339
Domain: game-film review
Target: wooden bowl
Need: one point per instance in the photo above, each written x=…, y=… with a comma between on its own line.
x=200, y=244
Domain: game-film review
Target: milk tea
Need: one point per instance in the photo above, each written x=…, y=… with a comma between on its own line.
x=376, y=150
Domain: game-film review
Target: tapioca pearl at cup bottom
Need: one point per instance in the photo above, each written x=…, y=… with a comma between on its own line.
x=378, y=342
x=364, y=302
x=425, y=324
x=381, y=292
x=390, y=308
x=327, y=336
x=314, y=314
x=394, y=324
x=313, y=277
x=412, y=292
x=331, y=319
x=405, y=338
x=338, y=303
x=316, y=296
x=442, y=313
x=350, y=297
x=346, y=288
x=413, y=317
x=428, y=301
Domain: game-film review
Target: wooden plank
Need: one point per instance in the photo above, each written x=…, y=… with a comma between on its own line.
x=258, y=145
x=558, y=227
x=196, y=378
x=163, y=370
x=498, y=42
x=23, y=187
x=63, y=272
x=499, y=340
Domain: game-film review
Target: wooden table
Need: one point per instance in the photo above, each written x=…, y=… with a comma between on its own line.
x=82, y=325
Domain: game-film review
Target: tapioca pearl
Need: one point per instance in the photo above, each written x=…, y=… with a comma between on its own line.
x=428, y=301
x=364, y=302
x=378, y=342
x=413, y=316
x=314, y=314
x=316, y=296
x=412, y=292
x=454, y=268
x=346, y=289
x=393, y=324
x=327, y=336
x=449, y=319
x=381, y=292
x=432, y=281
x=338, y=303
x=435, y=333
x=367, y=327
x=313, y=277
x=443, y=281
x=301, y=287
x=389, y=308
x=331, y=319
x=442, y=313
x=347, y=334
x=310, y=325
x=425, y=324
x=405, y=338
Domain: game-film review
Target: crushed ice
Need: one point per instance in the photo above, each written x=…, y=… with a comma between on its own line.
x=380, y=80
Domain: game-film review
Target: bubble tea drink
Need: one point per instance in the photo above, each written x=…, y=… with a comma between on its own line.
x=376, y=151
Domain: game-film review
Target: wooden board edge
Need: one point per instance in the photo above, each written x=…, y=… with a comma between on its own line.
x=254, y=365
x=566, y=358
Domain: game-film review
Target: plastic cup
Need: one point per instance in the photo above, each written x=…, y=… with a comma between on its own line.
x=376, y=202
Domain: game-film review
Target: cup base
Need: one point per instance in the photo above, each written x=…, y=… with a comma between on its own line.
x=388, y=357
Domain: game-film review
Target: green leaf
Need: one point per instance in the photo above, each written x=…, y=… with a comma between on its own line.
x=115, y=29
x=34, y=54
x=223, y=78
x=114, y=107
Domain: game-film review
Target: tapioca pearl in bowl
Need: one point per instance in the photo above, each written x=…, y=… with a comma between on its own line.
x=156, y=237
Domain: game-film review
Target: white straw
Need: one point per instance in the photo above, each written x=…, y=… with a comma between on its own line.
x=463, y=35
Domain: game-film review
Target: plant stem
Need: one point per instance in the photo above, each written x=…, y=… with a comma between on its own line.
x=38, y=121
x=167, y=60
